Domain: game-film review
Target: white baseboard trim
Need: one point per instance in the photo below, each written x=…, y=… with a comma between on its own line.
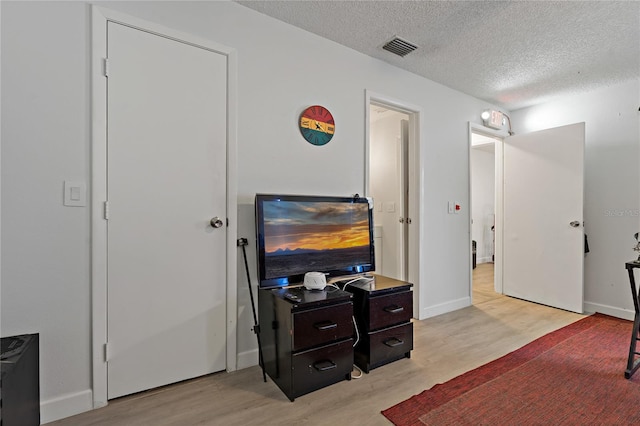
x=247, y=359
x=65, y=406
x=443, y=308
x=484, y=260
x=609, y=310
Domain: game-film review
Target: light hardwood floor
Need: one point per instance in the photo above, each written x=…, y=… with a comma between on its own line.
x=444, y=347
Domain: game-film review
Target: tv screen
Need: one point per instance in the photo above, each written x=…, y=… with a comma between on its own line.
x=298, y=234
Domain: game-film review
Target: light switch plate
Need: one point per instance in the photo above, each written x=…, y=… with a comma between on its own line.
x=75, y=194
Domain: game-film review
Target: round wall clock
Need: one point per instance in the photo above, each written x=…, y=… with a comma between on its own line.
x=317, y=125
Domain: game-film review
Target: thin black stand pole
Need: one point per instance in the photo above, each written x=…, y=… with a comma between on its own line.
x=242, y=242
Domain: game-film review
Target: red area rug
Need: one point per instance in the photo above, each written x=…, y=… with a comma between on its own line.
x=572, y=376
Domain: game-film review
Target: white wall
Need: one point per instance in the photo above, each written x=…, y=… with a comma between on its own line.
x=483, y=202
x=611, y=184
x=46, y=139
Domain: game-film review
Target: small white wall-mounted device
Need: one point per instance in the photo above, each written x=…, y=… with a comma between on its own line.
x=315, y=281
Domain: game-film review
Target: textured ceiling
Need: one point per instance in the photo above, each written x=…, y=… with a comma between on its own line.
x=510, y=53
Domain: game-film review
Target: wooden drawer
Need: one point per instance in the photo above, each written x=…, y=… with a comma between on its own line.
x=383, y=346
x=316, y=327
x=390, y=309
x=317, y=368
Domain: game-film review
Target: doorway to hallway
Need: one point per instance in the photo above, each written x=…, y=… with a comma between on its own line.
x=483, y=213
x=401, y=203
x=389, y=187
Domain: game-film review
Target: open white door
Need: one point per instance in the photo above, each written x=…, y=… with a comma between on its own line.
x=403, y=243
x=543, y=217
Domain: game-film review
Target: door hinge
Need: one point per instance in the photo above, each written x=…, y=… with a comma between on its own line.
x=106, y=67
x=107, y=354
x=106, y=210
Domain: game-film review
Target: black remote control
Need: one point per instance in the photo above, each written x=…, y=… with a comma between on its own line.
x=292, y=297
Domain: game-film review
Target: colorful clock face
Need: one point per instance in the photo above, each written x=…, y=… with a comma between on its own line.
x=317, y=125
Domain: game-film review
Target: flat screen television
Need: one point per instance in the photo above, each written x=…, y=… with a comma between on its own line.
x=297, y=234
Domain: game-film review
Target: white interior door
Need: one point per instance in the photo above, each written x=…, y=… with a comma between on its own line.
x=543, y=232
x=403, y=169
x=166, y=179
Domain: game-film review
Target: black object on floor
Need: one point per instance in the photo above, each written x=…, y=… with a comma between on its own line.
x=20, y=391
x=473, y=252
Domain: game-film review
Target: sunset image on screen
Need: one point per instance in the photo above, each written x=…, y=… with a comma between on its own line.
x=314, y=226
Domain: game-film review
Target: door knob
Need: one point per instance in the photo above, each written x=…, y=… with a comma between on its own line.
x=575, y=223
x=216, y=222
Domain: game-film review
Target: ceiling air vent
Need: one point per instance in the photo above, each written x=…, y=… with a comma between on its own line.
x=399, y=46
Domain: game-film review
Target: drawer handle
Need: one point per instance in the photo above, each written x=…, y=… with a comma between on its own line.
x=325, y=325
x=393, y=342
x=324, y=365
x=394, y=309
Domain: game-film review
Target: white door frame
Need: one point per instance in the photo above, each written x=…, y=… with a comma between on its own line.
x=100, y=17
x=499, y=205
x=416, y=188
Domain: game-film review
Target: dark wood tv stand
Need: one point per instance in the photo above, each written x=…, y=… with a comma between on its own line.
x=383, y=308
x=306, y=344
